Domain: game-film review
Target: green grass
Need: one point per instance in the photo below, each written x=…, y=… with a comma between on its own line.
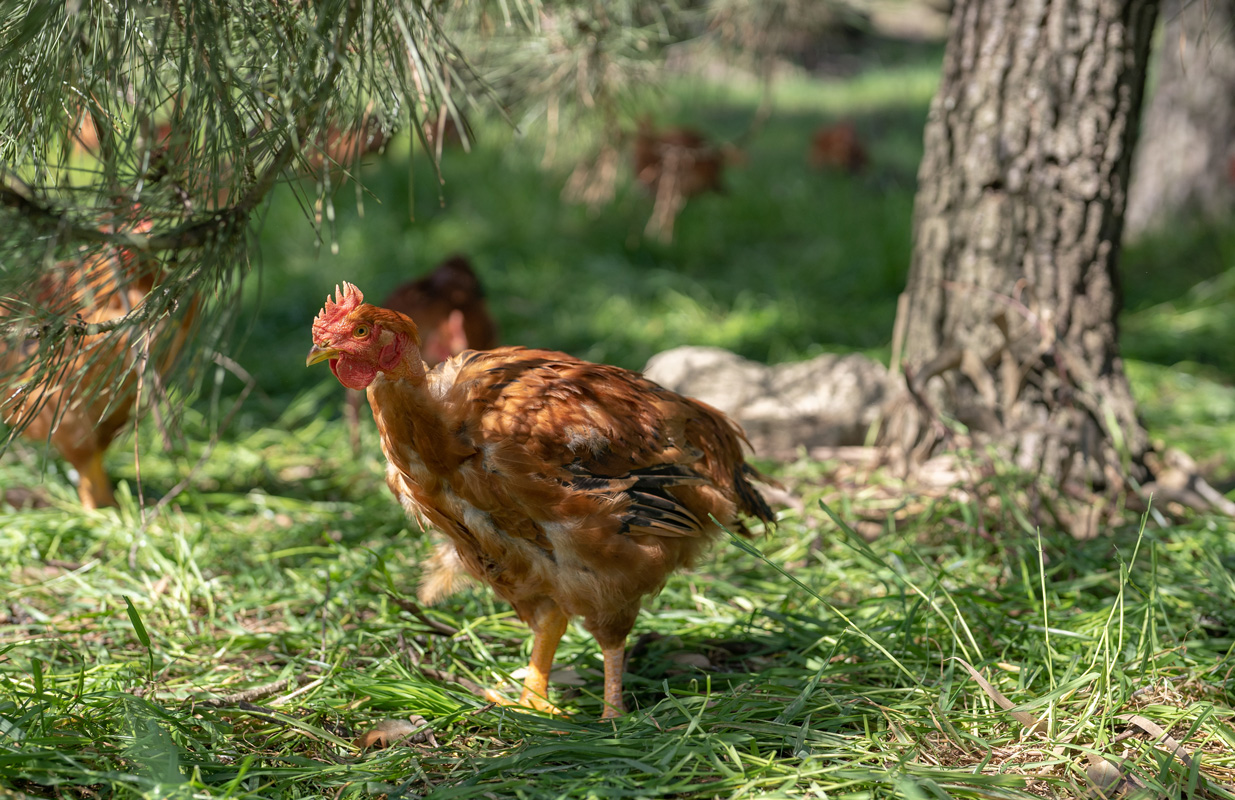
x=285, y=558
x=744, y=682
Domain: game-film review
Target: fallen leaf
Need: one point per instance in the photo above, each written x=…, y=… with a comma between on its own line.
x=393, y=731
x=297, y=473
x=698, y=660
x=1107, y=781
x=22, y=498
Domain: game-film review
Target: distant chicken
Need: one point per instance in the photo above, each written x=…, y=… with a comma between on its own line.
x=340, y=147
x=838, y=146
x=448, y=306
x=676, y=164
x=442, y=132
x=571, y=488
x=78, y=411
x=683, y=155
x=173, y=149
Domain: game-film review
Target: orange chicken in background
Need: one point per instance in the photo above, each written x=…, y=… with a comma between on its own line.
x=570, y=488
x=79, y=412
x=676, y=164
x=334, y=149
x=838, y=146
x=449, y=308
x=683, y=155
x=340, y=147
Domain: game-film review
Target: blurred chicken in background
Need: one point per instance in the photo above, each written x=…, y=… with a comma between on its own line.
x=676, y=164
x=837, y=146
x=81, y=408
x=448, y=306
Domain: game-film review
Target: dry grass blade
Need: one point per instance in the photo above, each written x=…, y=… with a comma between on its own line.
x=413, y=608
x=250, y=695
x=1163, y=738
x=1032, y=724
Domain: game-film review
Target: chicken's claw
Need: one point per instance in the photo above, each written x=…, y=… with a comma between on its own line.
x=526, y=700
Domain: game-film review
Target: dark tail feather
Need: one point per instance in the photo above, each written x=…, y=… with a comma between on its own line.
x=750, y=501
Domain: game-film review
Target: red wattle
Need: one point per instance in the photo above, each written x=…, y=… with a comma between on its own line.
x=352, y=373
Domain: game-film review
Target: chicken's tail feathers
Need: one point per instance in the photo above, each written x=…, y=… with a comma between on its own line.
x=750, y=501
x=443, y=576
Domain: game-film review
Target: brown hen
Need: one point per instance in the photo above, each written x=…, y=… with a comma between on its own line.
x=571, y=488
x=838, y=146
x=82, y=409
x=676, y=164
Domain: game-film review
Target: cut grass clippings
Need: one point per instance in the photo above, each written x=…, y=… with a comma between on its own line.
x=812, y=663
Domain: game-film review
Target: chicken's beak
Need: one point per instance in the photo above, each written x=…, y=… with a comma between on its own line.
x=320, y=354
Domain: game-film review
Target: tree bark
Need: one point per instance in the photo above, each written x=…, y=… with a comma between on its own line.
x=1008, y=322
x=1186, y=159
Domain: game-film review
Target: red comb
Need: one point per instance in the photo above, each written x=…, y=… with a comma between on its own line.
x=349, y=300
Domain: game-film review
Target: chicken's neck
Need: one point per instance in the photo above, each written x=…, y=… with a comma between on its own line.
x=412, y=421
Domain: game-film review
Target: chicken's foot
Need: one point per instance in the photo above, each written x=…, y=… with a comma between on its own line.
x=547, y=630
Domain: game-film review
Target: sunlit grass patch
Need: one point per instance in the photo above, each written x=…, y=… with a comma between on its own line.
x=741, y=681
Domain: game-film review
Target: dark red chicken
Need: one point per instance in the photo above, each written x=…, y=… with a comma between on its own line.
x=448, y=306
x=838, y=146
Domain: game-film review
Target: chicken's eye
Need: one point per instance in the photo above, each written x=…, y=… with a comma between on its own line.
x=361, y=331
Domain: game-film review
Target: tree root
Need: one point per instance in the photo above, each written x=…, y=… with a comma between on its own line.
x=940, y=457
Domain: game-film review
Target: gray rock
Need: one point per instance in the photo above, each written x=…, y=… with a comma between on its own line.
x=828, y=401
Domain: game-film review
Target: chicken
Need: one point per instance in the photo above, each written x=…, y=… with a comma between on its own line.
x=173, y=149
x=448, y=306
x=837, y=146
x=571, y=488
x=341, y=147
x=442, y=132
x=78, y=410
x=676, y=164
x=681, y=154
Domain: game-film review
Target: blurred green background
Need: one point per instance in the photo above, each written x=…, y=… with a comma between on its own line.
x=790, y=262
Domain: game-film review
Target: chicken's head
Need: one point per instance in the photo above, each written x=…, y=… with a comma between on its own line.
x=360, y=340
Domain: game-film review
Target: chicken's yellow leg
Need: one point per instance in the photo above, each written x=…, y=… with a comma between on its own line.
x=536, y=686
x=547, y=631
x=615, y=663
x=93, y=486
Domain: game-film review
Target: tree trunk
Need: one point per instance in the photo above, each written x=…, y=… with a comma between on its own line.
x=1186, y=159
x=1008, y=322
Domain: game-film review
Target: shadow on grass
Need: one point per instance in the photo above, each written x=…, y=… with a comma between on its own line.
x=1180, y=290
